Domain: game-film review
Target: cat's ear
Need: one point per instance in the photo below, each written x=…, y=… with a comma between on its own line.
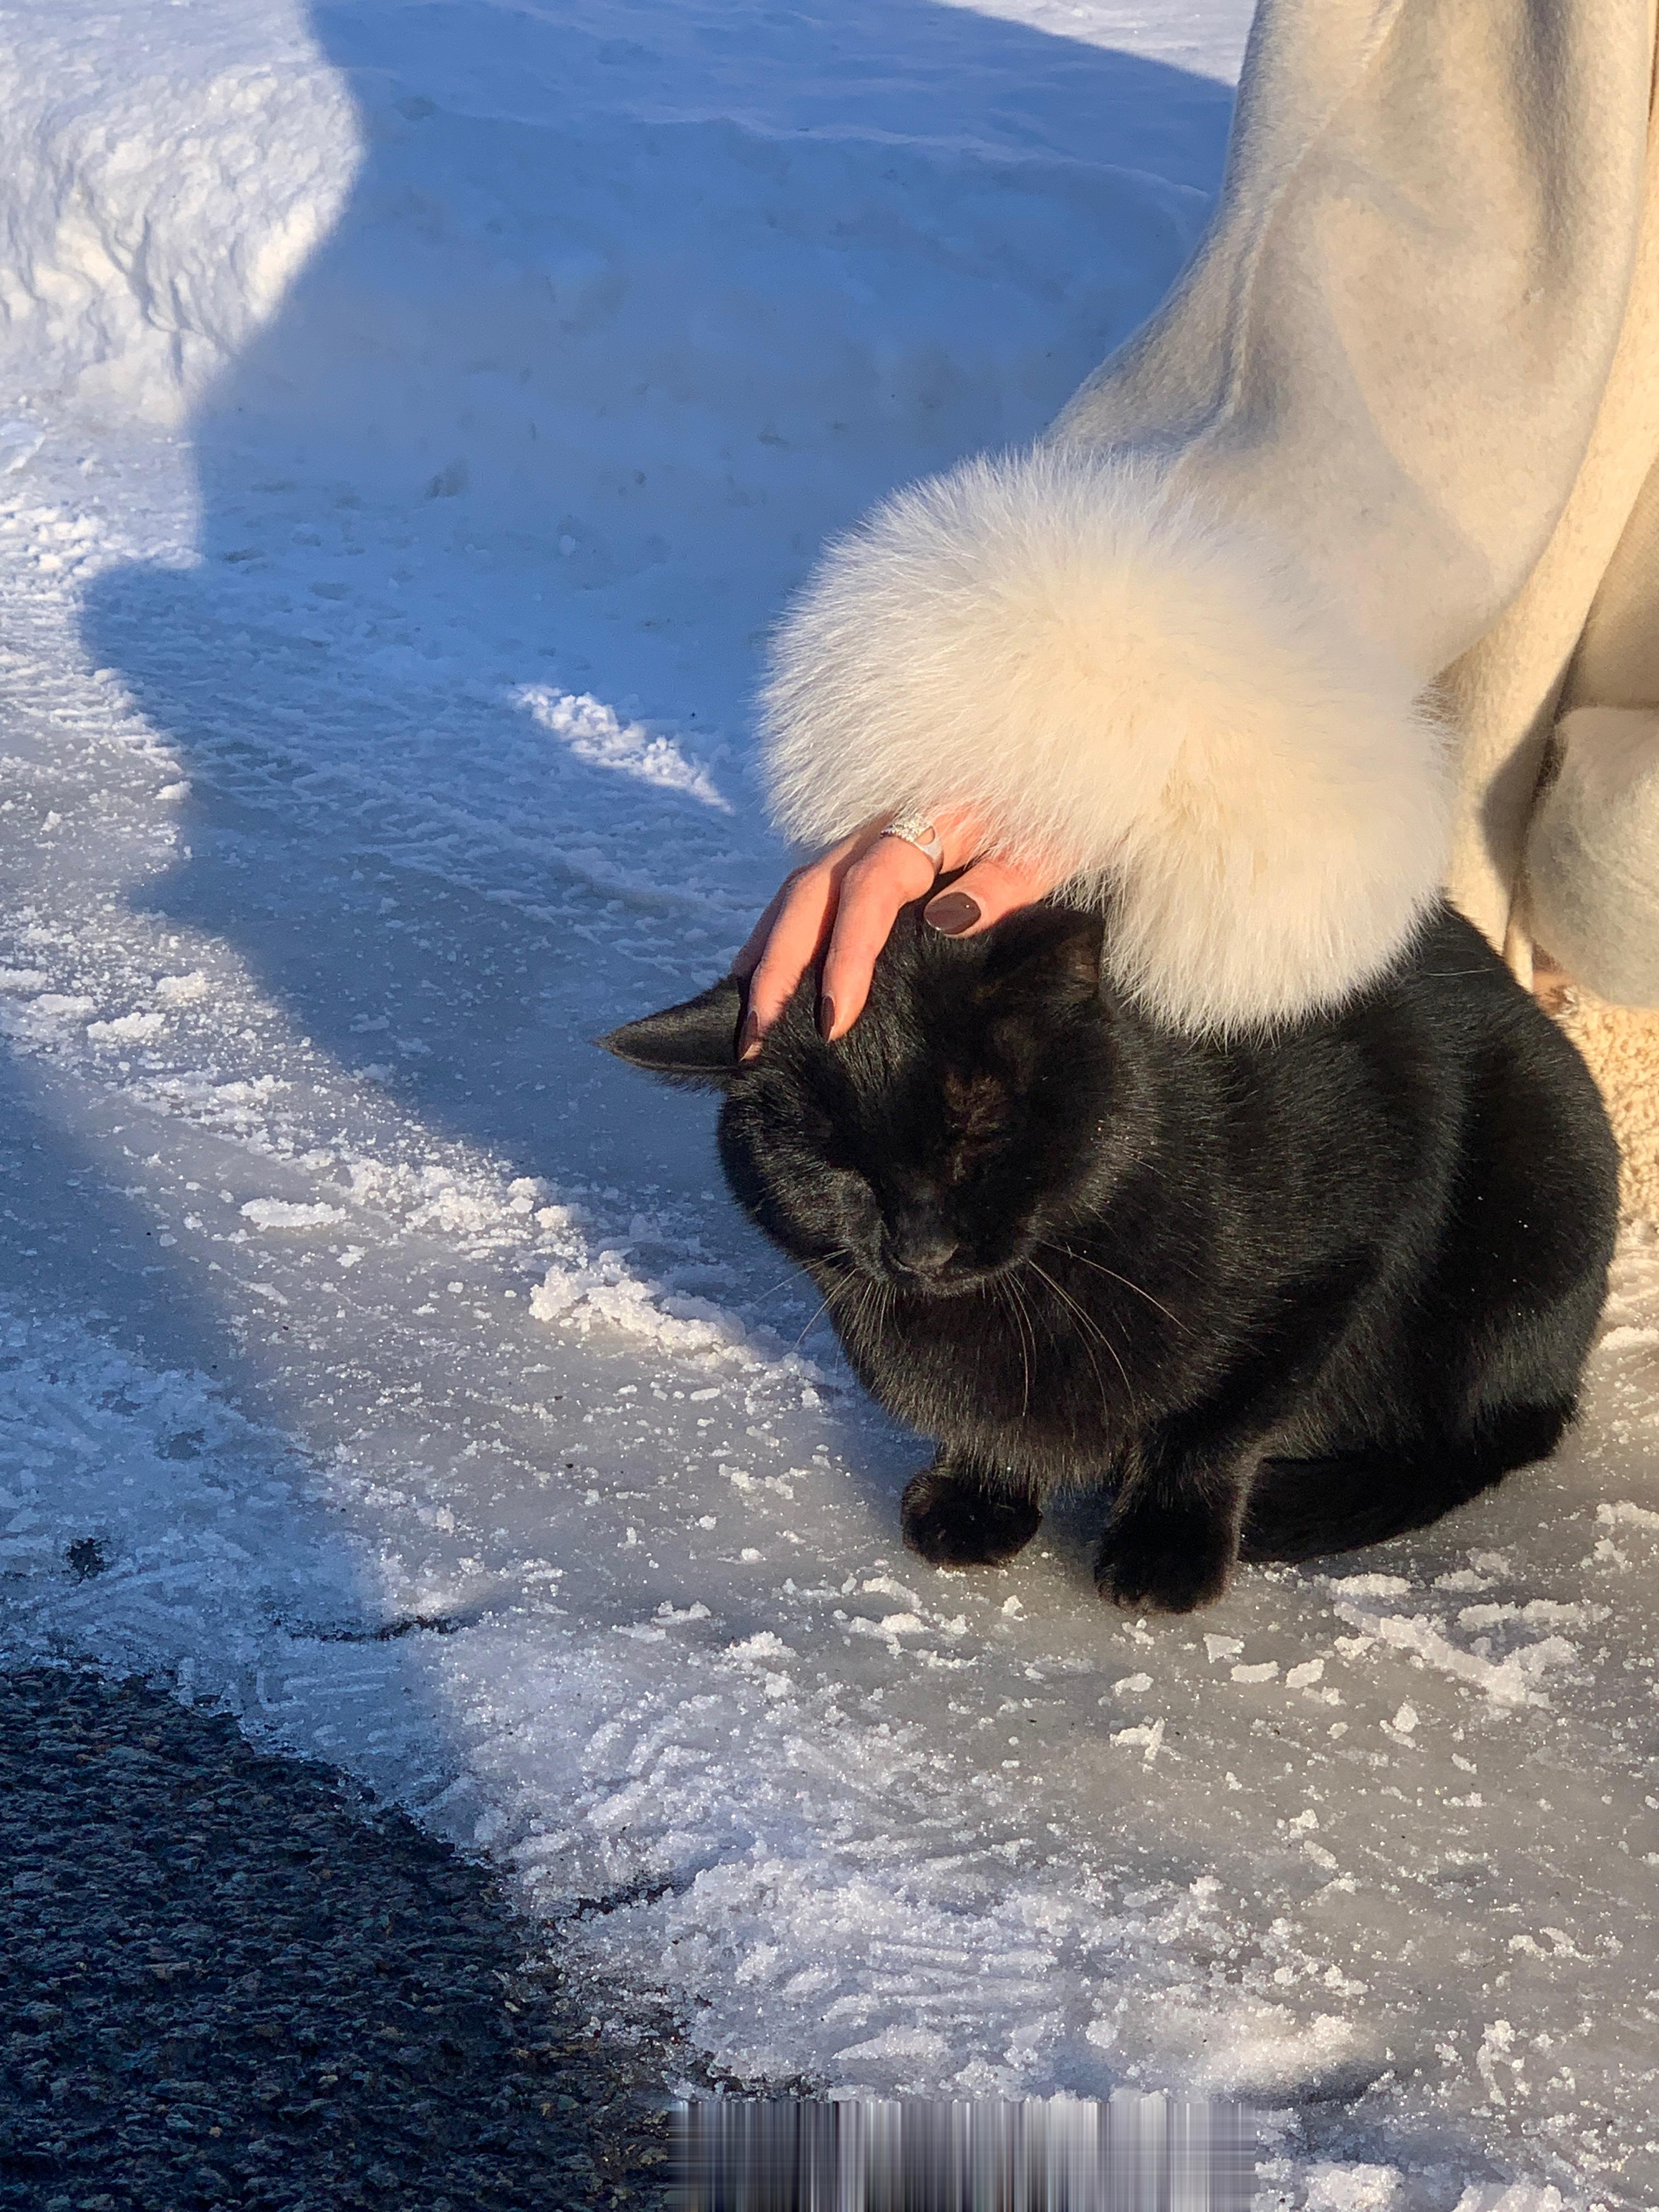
x=1054, y=950
x=696, y=1043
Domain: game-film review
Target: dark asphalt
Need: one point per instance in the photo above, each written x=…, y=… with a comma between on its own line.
x=225, y=1981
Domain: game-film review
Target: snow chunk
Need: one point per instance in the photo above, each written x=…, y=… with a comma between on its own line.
x=889, y=1628
x=581, y=1296
x=127, y=1029
x=766, y=1644
x=278, y=1213
x=1147, y=1739
x=48, y=1019
x=1519, y=2196
x=885, y=1586
x=1371, y=1586
x=918, y=2045
x=1510, y=1681
x=1353, y=2188
x=182, y=990
x=1631, y=1516
x=594, y=734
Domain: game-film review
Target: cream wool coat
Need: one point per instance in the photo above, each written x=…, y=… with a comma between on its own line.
x=1339, y=581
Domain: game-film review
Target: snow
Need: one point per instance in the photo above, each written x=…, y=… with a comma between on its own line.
x=283, y=1214
x=412, y=416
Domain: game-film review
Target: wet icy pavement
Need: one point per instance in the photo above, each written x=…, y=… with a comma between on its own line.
x=1376, y=1846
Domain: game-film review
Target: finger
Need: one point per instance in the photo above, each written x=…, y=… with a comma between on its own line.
x=873, y=890
x=984, y=893
x=962, y=835
x=749, y=954
x=794, y=942
x=832, y=861
x=790, y=935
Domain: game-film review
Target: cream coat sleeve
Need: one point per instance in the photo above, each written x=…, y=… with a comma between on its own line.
x=1178, y=649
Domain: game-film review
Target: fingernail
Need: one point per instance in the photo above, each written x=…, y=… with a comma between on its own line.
x=952, y=912
x=826, y=1018
x=749, y=1038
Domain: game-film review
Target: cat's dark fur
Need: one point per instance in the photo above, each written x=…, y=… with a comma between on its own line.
x=1279, y=1298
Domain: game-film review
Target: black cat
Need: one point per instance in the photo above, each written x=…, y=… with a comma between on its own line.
x=1281, y=1297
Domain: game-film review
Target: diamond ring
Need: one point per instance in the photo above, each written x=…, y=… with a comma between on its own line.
x=916, y=829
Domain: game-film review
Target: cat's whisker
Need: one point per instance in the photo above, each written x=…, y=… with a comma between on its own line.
x=1082, y=1261
x=1087, y=1326
x=840, y=1281
x=1026, y=1357
x=1087, y=1322
x=865, y=1292
x=873, y=1299
x=998, y=1287
x=812, y=1323
x=1094, y=1367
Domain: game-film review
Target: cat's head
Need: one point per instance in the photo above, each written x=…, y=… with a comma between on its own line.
x=960, y=1124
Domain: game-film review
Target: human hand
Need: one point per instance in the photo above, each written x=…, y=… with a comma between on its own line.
x=842, y=905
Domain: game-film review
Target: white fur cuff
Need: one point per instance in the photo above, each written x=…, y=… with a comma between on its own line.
x=1134, y=694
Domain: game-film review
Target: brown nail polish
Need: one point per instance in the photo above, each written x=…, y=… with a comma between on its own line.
x=749, y=1038
x=952, y=912
x=826, y=1018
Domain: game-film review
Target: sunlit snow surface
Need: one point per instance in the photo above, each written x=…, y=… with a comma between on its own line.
x=412, y=416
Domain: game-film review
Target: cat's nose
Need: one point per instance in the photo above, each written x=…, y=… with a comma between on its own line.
x=920, y=1247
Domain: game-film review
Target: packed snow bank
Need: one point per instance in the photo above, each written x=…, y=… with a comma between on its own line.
x=385, y=1363
x=168, y=174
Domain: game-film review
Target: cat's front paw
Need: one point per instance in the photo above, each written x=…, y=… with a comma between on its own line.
x=1163, y=1563
x=955, y=1521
